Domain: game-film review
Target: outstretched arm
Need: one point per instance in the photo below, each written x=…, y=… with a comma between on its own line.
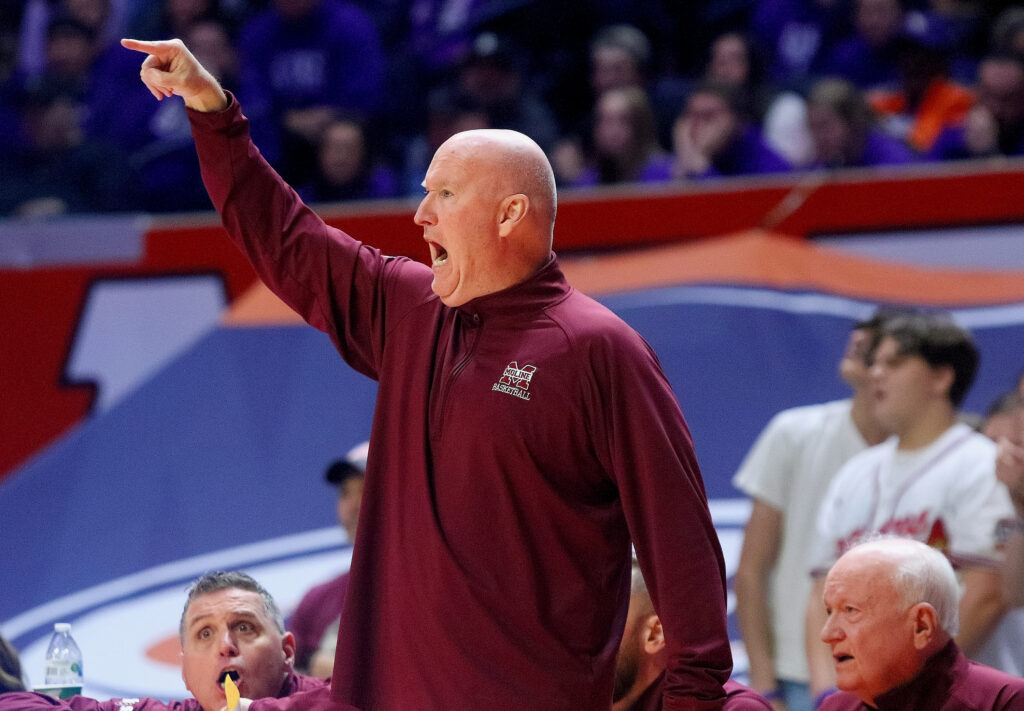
x=171, y=69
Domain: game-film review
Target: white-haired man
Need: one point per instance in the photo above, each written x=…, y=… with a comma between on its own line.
x=892, y=606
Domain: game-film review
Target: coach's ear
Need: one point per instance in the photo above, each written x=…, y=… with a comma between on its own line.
x=926, y=624
x=512, y=211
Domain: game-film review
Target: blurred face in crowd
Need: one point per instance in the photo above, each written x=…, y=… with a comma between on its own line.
x=730, y=62
x=342, y=152
x=350, y=498
x=56, y=126
x=69, y=54
x=1001, y=90
x=879, y=21
x=183, y=13
x=229, y=631
x=93, y=13
x=904, y=385
x=830, y=134
x=613, y=131
x=853, y=367
x=710, y=120
x=613, y=68
x=295, y=9
x=211, y=45
x=870, y=628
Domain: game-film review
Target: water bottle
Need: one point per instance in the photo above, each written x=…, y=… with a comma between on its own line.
x=64, y=661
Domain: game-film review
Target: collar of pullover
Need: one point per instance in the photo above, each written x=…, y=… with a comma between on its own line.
x=915, y=693
x=544, y=287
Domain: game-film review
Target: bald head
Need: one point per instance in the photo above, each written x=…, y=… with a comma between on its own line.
x=515, y=164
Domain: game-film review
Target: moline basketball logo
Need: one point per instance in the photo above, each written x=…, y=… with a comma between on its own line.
x=515, y=380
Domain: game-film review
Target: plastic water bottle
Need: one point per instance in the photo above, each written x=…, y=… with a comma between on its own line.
x=63, y=658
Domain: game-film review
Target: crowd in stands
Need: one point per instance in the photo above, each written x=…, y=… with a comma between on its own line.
x=349, y=98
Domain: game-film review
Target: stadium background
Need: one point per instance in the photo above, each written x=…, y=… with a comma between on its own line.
x=162, y=415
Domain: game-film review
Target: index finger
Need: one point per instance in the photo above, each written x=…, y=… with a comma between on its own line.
x=143, y=45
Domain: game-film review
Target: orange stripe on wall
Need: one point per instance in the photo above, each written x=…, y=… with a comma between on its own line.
x=753, y=258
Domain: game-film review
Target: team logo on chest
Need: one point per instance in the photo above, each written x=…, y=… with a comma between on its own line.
x=515, y=381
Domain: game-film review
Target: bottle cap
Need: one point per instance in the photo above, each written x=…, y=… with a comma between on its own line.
x=62, y=627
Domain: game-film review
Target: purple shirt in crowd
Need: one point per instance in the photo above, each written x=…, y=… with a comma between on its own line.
x=520, y=443
x=331, y=57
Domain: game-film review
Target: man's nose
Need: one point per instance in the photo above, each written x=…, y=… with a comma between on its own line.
x=424, y=215
x=228, y=647
x=830, y=631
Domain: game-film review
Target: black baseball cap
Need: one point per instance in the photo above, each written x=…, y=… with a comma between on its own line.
x=353, y=464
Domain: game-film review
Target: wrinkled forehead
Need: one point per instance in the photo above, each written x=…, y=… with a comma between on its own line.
x=224, y=604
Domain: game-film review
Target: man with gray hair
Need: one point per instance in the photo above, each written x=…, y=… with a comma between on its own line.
x=892, y=606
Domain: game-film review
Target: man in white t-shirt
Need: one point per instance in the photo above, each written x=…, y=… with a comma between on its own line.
x=934, y=480
x=787, y=473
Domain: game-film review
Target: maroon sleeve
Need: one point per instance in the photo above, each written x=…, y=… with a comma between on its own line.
x=331, y=280
x=651, y=456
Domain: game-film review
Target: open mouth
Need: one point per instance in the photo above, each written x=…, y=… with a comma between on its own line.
x=439, y=254
x=233, y=673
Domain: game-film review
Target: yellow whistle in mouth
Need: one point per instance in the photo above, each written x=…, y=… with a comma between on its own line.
x=231, y=692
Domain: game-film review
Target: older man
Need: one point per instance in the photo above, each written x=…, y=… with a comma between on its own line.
x=523, y=436
x=230, y=626
x=892, y=613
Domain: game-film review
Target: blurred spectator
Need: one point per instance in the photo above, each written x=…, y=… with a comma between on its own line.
x=104, y=17
x=493, y=77
x=1004, y=425
x=1008, y=31
x=844, y=129
x=347, y=168
x=11, y=677
x=926, y=101
x=714, y=136
x=995, y=124
x=786, y=473
x=1010, y=470
x=321, y=606
x=736, y=60
x=620, y=56
x=303, y=61
x=70, y=51
x=172, y=18
x=933, y=481
x=868, y=57
x=59, y=170
x=626, y=148
x=794, y=33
